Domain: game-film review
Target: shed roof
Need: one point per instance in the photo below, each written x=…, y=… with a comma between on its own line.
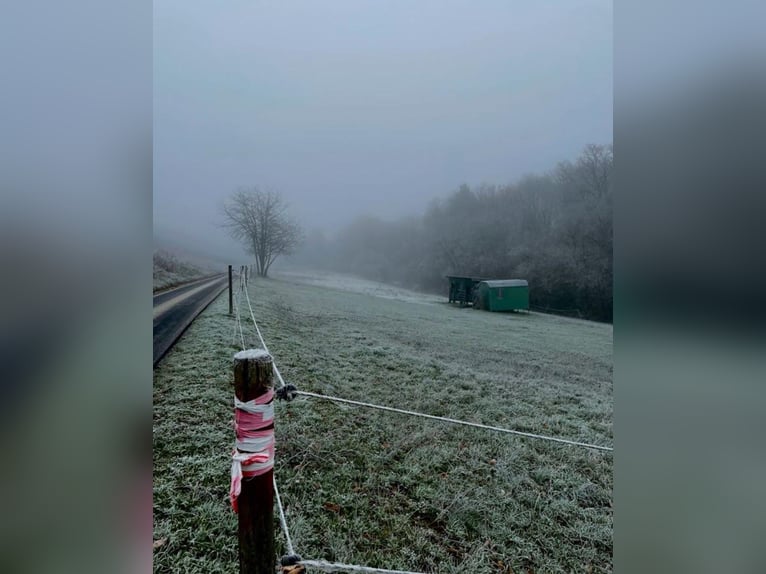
x=507, y=283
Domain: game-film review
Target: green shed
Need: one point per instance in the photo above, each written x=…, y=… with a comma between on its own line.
x=502, y=295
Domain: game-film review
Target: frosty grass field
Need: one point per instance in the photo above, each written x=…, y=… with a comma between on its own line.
x=388, y=490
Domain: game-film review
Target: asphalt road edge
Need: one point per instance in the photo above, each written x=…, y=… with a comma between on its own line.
x=205, y=303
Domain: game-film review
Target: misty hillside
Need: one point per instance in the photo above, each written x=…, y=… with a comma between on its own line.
x=553, y=229
x=170, y=271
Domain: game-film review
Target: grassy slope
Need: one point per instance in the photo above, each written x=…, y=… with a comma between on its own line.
x=376, y=488
x=169, y=271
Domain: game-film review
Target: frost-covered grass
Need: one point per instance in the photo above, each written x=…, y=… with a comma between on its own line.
x=376, y=488
x=356, y=285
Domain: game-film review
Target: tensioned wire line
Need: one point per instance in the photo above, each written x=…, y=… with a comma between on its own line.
x=234, y=332
x=265, y=348
x=283, y=522
x=238, y=323
x=455, y=421
x=423, y=415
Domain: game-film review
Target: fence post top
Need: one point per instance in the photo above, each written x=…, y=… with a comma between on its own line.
x=260, y=355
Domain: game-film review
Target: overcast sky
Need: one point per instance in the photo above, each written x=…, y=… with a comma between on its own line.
x=354, y=106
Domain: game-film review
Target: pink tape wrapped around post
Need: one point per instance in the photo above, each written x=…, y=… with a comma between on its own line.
x=254, y=451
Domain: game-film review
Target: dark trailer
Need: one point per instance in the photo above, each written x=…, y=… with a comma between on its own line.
x=461, y=289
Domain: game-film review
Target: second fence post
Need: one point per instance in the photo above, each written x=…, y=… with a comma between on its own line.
x=253, y=384
x=231, y=302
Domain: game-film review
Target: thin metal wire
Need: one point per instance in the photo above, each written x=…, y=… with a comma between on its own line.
x=335, y=567
x=234, y=333
x=282, y=520
x=423, y=415
x=239, y=323
x=263, y=343
x=455, y=421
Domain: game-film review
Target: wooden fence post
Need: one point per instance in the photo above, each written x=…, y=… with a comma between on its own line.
x=253, y=377
x=231, y=301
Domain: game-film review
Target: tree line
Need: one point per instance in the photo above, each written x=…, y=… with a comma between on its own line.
x=553, y=229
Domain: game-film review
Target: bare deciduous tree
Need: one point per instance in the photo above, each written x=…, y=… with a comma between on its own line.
x=259, y=219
